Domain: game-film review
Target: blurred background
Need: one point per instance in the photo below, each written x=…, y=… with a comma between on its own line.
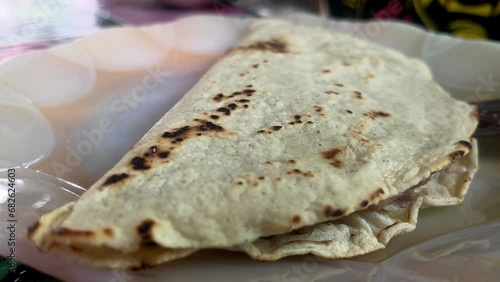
x=36, y=24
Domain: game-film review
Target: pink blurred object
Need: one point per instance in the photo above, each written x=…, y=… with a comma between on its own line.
x=8, y=52
x=187, y=3
x=155, y=11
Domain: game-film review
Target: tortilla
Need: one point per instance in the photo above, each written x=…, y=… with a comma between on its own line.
x=287, y=130
x=367, y=231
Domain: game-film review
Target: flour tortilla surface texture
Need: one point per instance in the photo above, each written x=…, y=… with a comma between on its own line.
x=287, y=130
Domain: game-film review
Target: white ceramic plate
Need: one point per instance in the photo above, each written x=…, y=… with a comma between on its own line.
x=71, y=112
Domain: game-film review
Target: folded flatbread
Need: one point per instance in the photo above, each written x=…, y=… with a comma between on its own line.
x=290, y=144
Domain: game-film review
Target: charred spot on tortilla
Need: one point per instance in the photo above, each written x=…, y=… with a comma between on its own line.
x=225, y=111
x=357, y=94
x=261, y=131
x=310, y=122
x=296, y=218
x=164, y=155
x=325, y=71
x=339, y=84
x=108, y=231
x=245, y=106
x=249, y=85
x=208, y=125
x=348, y=111
x=300, y=172
x=292, y=161
x=331, y=92
x=176, y=133
x=32, y=229
x=375, y=195
x=364, y=203
x=338, y=212
x=465, y=143
x=115, y=178
x=277, y=127
x=243, y=100
x=235, y=94
x=153, y=149
x=145, y=229
x=262, y=177
x=318, y=109
x=331, y=156
x=273, y=45
x=214, y=117
x=218, y=97
x=62, y=231
x=455, y=155
x=376, y=114
x=248, y=92
x=239, y=183
x=139, y=163
x=329, y=211
x=232, y=106
x=255, y=66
